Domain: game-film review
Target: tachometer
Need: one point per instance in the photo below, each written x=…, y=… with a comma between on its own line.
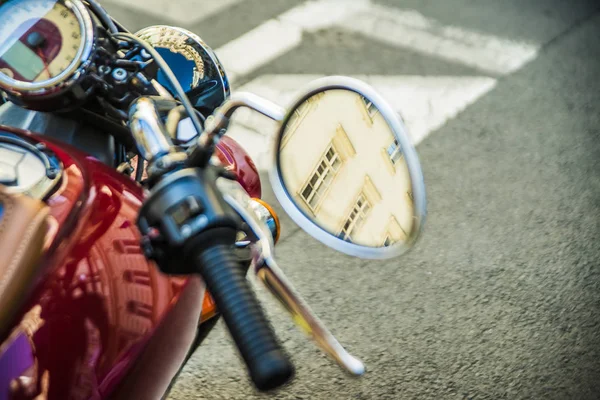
x=42, y=44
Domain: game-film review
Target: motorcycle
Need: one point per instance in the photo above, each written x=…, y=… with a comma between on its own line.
x=129, y=220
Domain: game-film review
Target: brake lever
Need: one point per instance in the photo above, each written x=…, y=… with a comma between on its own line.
x=268, y=272
x=273, y=278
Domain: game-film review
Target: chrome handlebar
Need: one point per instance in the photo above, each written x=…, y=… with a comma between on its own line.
x=153, y=138
x=154, y=142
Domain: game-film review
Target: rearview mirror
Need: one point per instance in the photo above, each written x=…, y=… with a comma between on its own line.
x=346, y=171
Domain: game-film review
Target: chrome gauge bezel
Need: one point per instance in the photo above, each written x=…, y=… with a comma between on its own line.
x=53, y=166
x=71, y=74
x=197, y=45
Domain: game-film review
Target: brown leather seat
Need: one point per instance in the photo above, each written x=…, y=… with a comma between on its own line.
x=22, y=231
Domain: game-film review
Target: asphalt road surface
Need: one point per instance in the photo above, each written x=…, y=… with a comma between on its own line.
x=501, y=296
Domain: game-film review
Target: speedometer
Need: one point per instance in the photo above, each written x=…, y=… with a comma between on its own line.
x=195, y=64
x=42, y=43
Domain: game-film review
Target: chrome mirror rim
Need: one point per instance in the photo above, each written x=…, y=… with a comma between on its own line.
x=411, y=157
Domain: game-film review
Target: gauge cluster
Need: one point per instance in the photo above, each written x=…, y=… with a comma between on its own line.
x=196, y=65
x=45, y=45
x=55, y=53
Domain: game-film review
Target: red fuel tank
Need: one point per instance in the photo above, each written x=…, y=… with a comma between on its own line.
x=97, y=301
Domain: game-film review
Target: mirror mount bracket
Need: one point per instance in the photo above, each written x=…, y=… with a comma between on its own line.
x=216, y=125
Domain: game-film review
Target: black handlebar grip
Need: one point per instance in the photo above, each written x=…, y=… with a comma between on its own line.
x=268, y=365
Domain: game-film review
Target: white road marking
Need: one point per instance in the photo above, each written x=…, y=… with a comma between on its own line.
x=277, y=36
x=401, y=28
x=411, y=30
x=257, y=47
x=425, y=103
x=322, y=14
x=183, y=11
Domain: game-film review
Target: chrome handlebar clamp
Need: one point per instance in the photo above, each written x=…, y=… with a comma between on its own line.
x=150, y=134
x=152, y=137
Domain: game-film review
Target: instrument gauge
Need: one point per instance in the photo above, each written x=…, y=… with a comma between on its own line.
x=43, y=43
x=193, y=62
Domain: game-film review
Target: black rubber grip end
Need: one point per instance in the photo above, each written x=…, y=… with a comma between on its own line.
x=271, y=371
x=268, y=365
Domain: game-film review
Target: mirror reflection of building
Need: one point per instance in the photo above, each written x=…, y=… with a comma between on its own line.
x=345, y=169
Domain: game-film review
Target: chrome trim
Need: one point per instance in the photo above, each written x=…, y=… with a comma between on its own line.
x=148, y=32
x=277, y=283
x=266, y=269
x=412, y=161
x=53, y=166
x=149, y=133
x=250, y=100
x=77, y=66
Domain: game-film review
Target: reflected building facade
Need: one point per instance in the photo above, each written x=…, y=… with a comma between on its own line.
x=345, y=169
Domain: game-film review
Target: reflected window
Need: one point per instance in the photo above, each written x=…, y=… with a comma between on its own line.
x=140, y=309
x=321, y=178
x=357, y=216
x=138, y=277
x=302, y=109
x=294, y=121
x=394, y=152
x=298, y=114
x=371, y=109
x=388, y=241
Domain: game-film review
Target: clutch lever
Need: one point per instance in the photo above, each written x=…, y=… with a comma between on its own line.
x=268, y=272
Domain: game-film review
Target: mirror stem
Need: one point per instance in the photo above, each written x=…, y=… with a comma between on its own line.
x=216, y=125
x=221, y=116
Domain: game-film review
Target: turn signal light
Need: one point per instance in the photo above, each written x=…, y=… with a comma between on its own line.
x=266, y=213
